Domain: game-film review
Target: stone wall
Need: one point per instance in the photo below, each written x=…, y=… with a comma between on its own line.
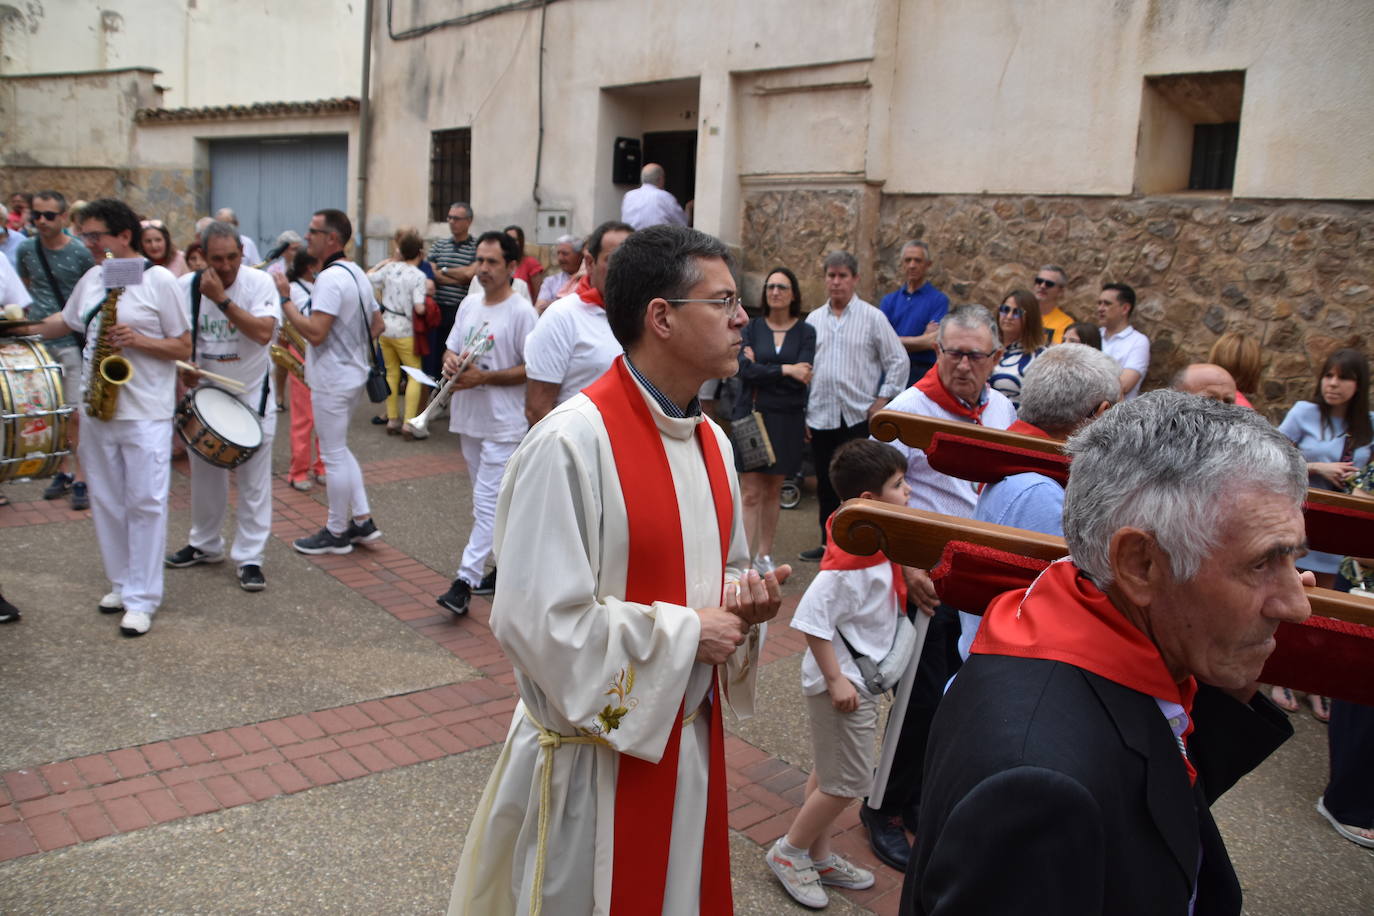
x=1299, y=276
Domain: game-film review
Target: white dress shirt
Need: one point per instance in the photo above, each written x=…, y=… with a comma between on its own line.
x=1131, y=350
x=649, y=205
x=858, y=358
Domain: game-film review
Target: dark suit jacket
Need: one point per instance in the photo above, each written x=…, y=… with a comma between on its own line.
x=1049, y=789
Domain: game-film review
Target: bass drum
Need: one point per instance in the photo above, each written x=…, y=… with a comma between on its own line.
x=218, y=427
x=31, y=411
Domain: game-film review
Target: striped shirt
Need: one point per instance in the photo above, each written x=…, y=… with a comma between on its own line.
x=448, y=253
x=931, y=490
x=858, y=358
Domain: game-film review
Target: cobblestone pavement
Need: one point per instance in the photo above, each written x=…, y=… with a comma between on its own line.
x=319, y=747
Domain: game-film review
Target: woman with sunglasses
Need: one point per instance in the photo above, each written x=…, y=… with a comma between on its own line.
x=1018, y=320
x=775, y=369
x=156, y=244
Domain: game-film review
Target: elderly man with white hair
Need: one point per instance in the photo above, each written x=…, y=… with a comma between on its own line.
x=649, y=204
x=967, y=345
x=1073, y=387
x=567, y=252
x=1106, y=707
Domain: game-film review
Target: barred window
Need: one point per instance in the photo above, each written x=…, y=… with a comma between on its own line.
x=450, y=170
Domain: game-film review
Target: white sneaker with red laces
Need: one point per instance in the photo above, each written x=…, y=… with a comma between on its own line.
x=798, y=876
x=838, y=872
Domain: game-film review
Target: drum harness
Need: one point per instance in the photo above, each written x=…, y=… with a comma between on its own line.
x=195, y=333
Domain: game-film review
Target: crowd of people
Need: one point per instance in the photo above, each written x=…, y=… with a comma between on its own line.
x=645, y=571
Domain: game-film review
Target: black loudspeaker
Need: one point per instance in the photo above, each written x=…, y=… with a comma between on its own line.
x=626, y=161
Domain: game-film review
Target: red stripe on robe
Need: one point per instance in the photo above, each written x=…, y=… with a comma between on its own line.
x=645, y=791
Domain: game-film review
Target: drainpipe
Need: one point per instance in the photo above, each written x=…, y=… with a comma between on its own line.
x=363, y=133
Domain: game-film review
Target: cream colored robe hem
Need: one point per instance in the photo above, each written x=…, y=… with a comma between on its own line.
x=562, y=546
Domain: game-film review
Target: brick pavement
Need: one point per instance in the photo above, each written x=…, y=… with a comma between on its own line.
x=51, y=805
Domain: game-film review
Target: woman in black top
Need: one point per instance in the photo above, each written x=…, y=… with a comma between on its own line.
x=775, y=369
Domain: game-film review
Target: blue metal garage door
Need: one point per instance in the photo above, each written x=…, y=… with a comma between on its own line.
x=275, y=183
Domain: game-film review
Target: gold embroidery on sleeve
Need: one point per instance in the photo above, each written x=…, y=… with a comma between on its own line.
x=608, y=720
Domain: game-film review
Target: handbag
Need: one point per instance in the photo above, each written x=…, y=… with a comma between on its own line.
x=378, y=389
x=750, y=438
x=882, y=675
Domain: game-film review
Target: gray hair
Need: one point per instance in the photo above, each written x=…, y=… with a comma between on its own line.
x=219, y=230
x=842, y=259
x=917, y=243
x=1063, y=274
x=652, y=174
x=1166, y=463
x=970, y=318
x=290, y=237
x=467, y=207
x=227, y=215
x=1064, y=386
x=571, y=240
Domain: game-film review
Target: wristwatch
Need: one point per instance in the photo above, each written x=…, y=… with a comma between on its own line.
x=223, y=302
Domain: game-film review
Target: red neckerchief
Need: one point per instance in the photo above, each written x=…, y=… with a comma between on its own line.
x=1028, y=429
x=836, y=557
x=933, y=388
x=1065, y=617
x=588, y=293
x=644, y=791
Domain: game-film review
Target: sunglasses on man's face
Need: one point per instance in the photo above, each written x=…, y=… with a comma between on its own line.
x=36, y=215
x=1048, y=284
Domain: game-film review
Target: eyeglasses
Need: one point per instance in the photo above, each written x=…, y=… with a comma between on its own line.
x=93, y=238
x=1010, y=311
x=459, y=219
x=36, y=215
x=777, y=288
x=726, y=304
x=313, y=231
x=1048, y=284
x=973, y=356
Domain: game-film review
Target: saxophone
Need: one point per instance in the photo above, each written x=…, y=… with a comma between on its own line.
x=284, y=357
x=109, y=370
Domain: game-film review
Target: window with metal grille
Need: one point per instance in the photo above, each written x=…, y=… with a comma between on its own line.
x=450, y=170
x=1214, y=156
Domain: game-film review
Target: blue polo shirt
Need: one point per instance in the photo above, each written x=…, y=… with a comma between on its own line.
x=909, y=314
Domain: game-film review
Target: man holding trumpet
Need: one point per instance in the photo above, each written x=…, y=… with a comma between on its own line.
x=234, y=311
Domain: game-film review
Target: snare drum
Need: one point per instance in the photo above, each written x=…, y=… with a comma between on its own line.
x=218, y=427
x=31, y=412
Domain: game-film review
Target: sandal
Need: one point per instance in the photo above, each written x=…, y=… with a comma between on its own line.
x=1321, y=707
x=1362, y=836
x=1283, y=698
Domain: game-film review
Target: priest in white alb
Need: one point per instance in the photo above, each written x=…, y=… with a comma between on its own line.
x=622, y=606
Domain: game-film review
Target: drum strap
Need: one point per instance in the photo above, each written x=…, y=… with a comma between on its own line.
x=262, y=400
x=195, y=312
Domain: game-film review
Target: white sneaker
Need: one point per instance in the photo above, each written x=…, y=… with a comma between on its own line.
x=135, y=623
x=303, y=485
x=112, y=603
x=798, y=877
x=837, y=872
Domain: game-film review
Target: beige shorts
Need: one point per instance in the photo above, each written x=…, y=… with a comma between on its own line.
x=842, y=744
x=70, y=360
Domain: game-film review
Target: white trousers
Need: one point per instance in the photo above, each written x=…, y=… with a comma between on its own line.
x=128, y=466
x=343, y=482
x=210, y=495
x=486, y=460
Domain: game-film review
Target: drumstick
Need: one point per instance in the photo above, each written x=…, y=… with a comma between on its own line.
x=232, y=384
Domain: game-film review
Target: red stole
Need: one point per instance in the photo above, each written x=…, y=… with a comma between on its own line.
x=1065, y=617
x=644, y=791
x=931, y=386
x=588, y=293
x=836, y=557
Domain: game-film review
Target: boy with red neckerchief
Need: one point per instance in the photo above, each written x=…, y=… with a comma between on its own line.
x=865, y=596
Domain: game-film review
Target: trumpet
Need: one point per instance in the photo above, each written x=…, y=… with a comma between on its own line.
x=477, y=344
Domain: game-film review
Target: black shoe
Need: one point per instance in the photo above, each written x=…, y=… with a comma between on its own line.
x=457, y=598
x=362, y=532
x=191, y=556
x=487, y=586
x=323, y=541
x=8, y=612
x=61, y=483
x=886, y=836
x=379, y=421
x=81, y=500
x=251, y=578
x=813, y=555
